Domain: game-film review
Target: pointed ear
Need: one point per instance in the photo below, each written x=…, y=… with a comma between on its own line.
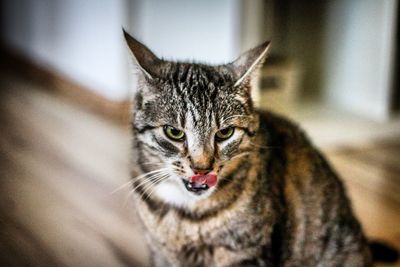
x=145, y=59
x=249, y=62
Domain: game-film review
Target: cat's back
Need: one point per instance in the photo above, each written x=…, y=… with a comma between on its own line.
x=281, y=131
x=306, y=178
x=285, y=143
x=316, y=218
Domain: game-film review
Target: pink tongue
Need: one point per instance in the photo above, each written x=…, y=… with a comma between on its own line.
x=209, y=179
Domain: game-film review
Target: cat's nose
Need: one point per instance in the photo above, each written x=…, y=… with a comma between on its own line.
x=201, y=171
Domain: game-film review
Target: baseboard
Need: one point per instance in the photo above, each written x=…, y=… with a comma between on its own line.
x=53, y=82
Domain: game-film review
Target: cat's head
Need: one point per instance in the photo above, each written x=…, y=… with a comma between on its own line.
x=193, y=123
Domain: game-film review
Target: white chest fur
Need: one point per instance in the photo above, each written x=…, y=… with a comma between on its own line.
x=173, y=193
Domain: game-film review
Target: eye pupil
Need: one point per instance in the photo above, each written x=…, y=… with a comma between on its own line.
x=224, y=134
x=173, y=133
x=225, y=131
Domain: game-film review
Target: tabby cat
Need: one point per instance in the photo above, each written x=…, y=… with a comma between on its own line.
x=219, y=183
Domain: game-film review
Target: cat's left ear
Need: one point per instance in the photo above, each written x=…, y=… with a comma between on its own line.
x=249, y=62
x=147, y=62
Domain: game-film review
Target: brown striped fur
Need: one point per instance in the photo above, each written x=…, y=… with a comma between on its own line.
x=277, y=201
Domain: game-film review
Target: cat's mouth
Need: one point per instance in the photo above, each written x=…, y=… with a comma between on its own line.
x=196, y=188
x=199, y=184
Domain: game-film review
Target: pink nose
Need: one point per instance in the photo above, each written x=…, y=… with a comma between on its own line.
x=201, y=171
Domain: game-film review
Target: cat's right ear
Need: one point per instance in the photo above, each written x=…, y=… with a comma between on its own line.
x=249, y=62
x=147, y=62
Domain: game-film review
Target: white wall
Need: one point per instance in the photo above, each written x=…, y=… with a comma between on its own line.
x=82, y=40
x=206, y=31
x=360, y=53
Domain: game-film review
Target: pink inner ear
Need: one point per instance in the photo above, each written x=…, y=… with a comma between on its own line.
x=209, y=179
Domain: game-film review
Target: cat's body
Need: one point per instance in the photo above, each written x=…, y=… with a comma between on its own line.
x=292, y=211
x=276, y=201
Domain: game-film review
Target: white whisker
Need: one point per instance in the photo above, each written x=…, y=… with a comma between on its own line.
x=144, y=183
x=238, y=155
x=261, y=146
x=153, y=163
x=153, y=184
x=152, y=191
x=147, y=180
x=150, y=179
x=121, y=187
x=137, y=178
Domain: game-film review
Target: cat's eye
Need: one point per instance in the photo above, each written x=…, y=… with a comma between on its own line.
x=173, y=133
x=224, y=134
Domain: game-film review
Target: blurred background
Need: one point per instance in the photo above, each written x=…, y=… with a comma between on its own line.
x=66, y=84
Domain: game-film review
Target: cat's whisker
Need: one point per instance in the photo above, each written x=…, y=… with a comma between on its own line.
x=130, y=182
x=229, y=178
x=121, y=187
x=152, y=163
x=150, y=172
x=148, y=180
x=263, y=147
x=152, y=185
x=151, y=179
x=144, y=183
x=241, y=154
x=237, y=156
x=137, y=178
x=150, y=193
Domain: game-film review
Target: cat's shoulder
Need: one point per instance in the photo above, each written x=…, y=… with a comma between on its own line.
x=281, y=129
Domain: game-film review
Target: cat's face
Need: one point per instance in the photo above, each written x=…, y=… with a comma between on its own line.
x=193, y=125
x=190, y=126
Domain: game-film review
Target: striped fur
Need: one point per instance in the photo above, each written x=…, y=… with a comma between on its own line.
x=277, y=201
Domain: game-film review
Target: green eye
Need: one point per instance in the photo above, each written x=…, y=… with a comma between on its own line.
x=173, y=133
x=224, y=133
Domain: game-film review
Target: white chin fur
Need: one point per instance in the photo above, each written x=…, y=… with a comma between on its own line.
x=174, y=193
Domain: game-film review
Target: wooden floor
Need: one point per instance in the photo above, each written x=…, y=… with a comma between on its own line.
x=59, y=166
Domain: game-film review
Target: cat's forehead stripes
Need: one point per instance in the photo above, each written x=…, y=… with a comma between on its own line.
x=193, y=97
x=196, y=92
x=196, y=75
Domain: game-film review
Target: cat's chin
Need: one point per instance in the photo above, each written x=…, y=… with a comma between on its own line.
x=176, y=193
